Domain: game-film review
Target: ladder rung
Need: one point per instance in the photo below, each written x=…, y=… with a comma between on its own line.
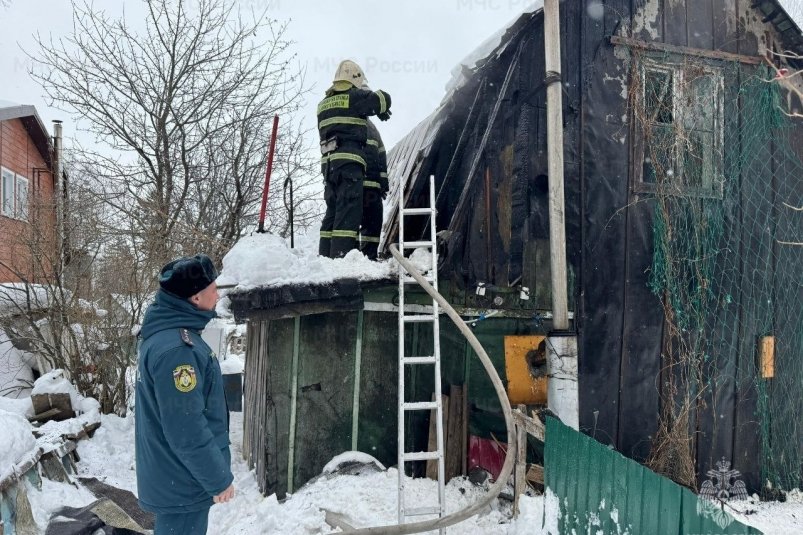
x=419, y=360
x=415, y=244
x=418, y=211
x=409, y=280
x=420, y=406
x=420, y=511
x=421, y=318
x=421, y=456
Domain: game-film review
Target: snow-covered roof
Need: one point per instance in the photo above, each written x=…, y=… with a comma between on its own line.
x=266, y=260
x=32, y=122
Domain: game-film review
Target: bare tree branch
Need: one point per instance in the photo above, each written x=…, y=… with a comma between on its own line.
x=184, y=107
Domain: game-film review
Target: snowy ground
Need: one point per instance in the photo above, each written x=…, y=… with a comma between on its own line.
x=367, y=500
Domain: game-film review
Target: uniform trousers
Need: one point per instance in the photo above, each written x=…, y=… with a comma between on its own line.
x=194, y=523
x=343, y=192
x=371, y=221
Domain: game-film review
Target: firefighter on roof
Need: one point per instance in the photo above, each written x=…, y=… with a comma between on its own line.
x=375, y=188
x=343, y=127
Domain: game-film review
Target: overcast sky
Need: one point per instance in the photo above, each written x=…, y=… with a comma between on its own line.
x=406, y=48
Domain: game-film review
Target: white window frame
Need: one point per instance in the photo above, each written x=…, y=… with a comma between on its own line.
x=7, y=174
x=22, y=207
x=678, y=72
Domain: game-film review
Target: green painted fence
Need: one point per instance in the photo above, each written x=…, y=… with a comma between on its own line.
x=601, y=491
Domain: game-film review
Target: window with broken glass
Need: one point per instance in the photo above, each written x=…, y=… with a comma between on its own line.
x=679, y=135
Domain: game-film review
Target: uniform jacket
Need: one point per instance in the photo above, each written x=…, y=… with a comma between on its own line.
x=376, y=174
x=182, y=427
x=343, y=115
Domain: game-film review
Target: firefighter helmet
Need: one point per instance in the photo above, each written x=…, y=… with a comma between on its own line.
x=348, y=71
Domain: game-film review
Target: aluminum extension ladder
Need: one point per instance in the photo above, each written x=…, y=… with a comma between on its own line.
x=435, y=359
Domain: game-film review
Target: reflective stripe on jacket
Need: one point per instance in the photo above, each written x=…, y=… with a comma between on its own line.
x=376, y=174
x=343, y=115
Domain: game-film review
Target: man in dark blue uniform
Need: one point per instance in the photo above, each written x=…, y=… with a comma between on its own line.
x=182, y=422
x=375, y=188
x=343, y=128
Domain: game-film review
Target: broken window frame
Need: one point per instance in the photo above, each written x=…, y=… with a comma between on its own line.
x=681, y=113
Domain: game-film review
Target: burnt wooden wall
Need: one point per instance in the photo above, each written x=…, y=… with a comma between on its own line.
x=503, y=237
x=621, y=321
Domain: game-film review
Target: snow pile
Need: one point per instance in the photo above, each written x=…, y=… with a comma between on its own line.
x=536, y=512
x=52, y=497
x=223, y=307
x=350, y=457
x=421, y=259
x=233, y=364
x=21, y=406
x=218, y=334
x=16, y=440
x=109, y=455
x=16, y=375
x=86, y=409
x=794, y=496
x=776, y=518
x=362, y=501
x=54, y=382
x=267, y=260
x=16, y=297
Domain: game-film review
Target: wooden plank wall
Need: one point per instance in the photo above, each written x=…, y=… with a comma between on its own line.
x=266, y=413
x=621, y=322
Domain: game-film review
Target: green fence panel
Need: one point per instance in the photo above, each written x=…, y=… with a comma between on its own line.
x=601, y=491
x=632, y=512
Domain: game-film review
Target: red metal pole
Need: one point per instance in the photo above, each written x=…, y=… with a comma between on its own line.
x=272, y=148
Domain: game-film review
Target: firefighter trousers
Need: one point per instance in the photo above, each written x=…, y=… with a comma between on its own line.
x=371, y=221
x=341, y=223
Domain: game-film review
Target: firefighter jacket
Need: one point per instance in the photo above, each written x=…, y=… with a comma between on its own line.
x=343, y=124
x=376, y=174
x=182, y=426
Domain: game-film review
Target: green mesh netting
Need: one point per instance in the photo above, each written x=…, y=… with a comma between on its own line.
x=722, y=166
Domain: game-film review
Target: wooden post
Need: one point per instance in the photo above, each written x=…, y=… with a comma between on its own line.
x=521, y=462
x=557, y=231
x=454, y=433
x=355, y=403
x=432, y=445
x=464, y=433
x=291, y=447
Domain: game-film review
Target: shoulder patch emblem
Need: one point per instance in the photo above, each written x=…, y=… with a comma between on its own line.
x=185, y=337
x=184, y=377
